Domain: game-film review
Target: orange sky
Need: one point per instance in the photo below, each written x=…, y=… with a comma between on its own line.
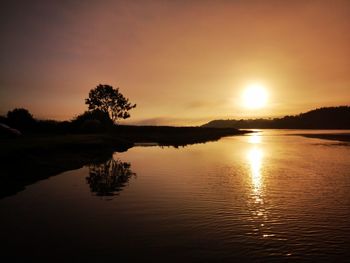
x=182, y=62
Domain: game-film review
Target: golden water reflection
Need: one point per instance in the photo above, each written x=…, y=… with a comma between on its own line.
x=254, y=138
x=255, y=159
x=255, y=156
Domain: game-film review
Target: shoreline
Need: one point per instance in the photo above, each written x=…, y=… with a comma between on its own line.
x=341, y=137
x=28, y=159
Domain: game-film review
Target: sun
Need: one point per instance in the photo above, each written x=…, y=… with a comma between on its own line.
x=255, y=96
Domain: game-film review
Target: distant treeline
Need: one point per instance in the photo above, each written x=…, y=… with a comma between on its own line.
x=322, y=118
x=99, y=122
x=106, y=105
x=87, y=122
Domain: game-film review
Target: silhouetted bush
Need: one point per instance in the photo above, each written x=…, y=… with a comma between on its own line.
x=3, y=119
x=91, y=126
x=92, y=121
x=52, y=126
x=21, y=119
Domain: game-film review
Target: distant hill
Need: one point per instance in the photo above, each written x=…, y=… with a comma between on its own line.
x=322, y=118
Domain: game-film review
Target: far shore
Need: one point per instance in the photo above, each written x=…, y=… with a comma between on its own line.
x=342, y=137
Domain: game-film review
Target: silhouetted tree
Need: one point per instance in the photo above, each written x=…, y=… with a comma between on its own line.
x=109, y=100
x=20, y=118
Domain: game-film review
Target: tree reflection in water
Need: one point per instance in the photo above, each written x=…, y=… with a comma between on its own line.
x=109, y=178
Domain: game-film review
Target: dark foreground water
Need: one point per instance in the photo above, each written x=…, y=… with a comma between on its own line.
x=267, y=197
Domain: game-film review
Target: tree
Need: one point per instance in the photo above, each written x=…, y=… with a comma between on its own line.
x=21, y=119
x=109, y=100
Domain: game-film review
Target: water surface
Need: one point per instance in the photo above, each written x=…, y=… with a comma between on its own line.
x=271, y=196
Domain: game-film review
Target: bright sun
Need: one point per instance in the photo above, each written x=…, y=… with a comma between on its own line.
x=255, y=96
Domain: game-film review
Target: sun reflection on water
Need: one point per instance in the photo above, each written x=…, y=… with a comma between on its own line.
x=255, y=138
x=255, y=159
x=255, y=156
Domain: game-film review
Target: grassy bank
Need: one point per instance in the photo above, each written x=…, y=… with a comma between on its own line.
x=30, y=158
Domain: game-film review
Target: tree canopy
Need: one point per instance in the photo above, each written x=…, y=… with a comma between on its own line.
x=20, y=118
x=109, y=100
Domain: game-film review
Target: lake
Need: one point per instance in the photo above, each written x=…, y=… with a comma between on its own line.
x=270, y=196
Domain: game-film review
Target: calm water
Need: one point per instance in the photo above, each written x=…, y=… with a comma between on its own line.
x=266, y=197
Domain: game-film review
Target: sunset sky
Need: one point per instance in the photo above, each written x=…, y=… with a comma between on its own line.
x=182, y=62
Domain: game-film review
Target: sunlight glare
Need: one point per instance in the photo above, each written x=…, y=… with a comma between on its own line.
x=255, y=160
x=255, y=138
x=255, y=96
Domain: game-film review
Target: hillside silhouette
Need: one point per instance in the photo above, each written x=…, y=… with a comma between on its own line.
x=322, y=118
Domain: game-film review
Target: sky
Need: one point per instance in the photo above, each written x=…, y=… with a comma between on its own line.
x=181, y=62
